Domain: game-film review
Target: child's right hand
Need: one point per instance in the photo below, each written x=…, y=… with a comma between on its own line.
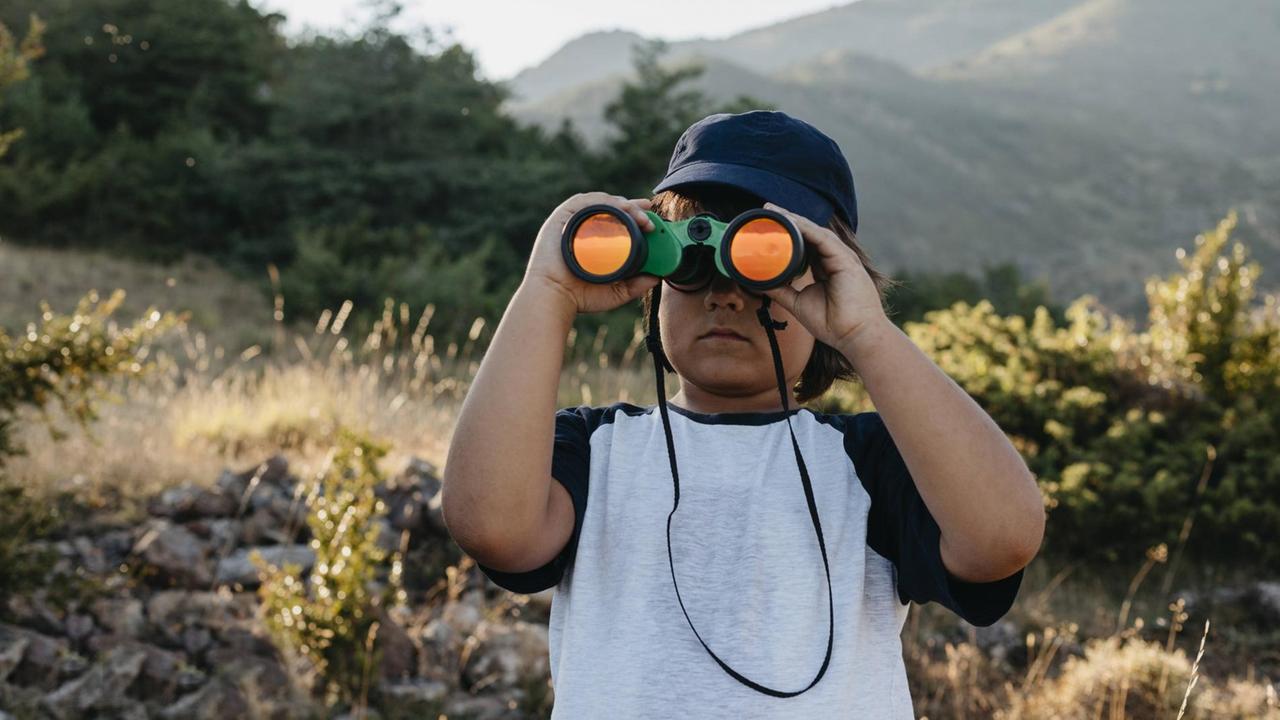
x=547, y=267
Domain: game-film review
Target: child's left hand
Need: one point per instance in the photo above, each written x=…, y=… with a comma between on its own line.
x=842, y=300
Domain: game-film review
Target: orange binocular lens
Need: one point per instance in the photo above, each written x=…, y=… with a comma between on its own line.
x=601, y=244
x=761, y=249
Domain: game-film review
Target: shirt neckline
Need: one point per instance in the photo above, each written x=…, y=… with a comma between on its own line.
x=733, y=418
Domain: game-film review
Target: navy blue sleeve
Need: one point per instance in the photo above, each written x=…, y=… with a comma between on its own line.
x=570, y=461
x=901, y=528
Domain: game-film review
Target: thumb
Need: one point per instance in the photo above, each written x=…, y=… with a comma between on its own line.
x=784, y=295
x=640, y=284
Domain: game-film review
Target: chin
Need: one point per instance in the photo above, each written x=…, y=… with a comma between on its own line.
x=729, y=385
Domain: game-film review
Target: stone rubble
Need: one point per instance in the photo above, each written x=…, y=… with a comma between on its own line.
x=174, y=627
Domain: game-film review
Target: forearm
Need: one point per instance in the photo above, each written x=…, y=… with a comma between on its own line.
x=498, y=470
x=972, y=479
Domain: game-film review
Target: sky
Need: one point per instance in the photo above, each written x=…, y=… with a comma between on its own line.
x=506, y=37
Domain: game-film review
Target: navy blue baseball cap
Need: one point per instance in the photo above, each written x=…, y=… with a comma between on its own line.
x=770, y=154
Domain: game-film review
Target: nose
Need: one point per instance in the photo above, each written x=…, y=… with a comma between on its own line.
x=724, y=292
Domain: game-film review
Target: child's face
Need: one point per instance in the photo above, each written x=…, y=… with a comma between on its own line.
x=730, y=367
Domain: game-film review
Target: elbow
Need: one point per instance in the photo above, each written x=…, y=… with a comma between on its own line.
x=1023, y=536
x=1005, y=545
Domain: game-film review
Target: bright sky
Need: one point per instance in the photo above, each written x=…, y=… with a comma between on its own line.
x=507, y=36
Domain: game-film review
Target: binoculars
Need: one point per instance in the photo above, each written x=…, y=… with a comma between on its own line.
x=760, y=249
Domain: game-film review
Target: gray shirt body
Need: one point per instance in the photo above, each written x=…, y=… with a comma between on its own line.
x=747, y=560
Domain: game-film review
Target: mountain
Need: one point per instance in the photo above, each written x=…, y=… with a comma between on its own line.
x=914, y=33
x=1083, y=140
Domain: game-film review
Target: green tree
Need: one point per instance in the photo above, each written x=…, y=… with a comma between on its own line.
x=1000, y=284
x=14, y=61
x=647, y=117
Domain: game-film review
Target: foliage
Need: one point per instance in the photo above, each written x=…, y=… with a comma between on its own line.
x=368, y=164
x=14, y=61
x=65, y=359
x=332, y=617
x=648, y=116
x=1001, y=284
x=1130, y=433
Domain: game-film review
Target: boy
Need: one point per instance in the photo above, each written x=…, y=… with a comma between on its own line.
x=923, y=500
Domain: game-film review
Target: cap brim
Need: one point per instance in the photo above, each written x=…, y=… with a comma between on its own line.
x=772, y=187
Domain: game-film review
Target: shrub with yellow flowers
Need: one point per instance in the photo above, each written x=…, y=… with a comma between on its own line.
x=331, y=616
x=1139, y=436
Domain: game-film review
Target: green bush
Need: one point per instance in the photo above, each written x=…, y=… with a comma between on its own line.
x=331, y=618
x=1130, y=431
x=65, y=359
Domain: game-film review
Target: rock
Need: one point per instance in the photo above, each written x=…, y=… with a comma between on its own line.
x=1269, y=596
x=115, y=546
x=272, y=471
x=91, y=557
x=174, y=551
x=120, y=616
x=399, y=653
x=388, y=536
x=463, y=614
x=196, y=639
x=185, y=502
x=11, y=655
x=158, y=677
x=101, y=688
x=71, y=665
x=1001, y=640
x=1254, y=605
x=40, y=659
x=222, y=533
x=441, y=645
x=34, y=612
x=218, y=699
x=506, y=654
x=263, y=525
x=246, y=642
x=79, y=626
x=239, y=569
x=480, y=707
x=413, y=498
x=188, y=679
x=424, y=698
x=267, y=675
x=232, y=485
x=171, y=611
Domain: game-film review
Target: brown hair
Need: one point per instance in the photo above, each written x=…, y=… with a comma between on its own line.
x=826, y=364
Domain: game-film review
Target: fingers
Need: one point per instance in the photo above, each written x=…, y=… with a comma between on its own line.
x=822, y=239
x=637, y=209
x=784, y=295
x=624, y=291
x=640, y=284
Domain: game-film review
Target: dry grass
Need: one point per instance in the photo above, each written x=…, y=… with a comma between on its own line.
x=207, y=408
x=230, y=313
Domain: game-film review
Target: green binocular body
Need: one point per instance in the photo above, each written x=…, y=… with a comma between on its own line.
x=759, y=249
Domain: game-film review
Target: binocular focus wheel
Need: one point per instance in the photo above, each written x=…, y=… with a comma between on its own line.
x=602, y=243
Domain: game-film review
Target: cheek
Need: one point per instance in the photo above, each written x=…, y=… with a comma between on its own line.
x=795, y=343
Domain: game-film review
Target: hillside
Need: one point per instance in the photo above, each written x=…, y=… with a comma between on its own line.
x=1085, y=143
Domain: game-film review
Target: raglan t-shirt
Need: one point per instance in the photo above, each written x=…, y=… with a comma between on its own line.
x=746, y=557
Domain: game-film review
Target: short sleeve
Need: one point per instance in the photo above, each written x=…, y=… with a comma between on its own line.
x=901, y=528
x=570, y=462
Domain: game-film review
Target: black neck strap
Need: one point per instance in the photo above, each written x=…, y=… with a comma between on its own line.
x=654, y=344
